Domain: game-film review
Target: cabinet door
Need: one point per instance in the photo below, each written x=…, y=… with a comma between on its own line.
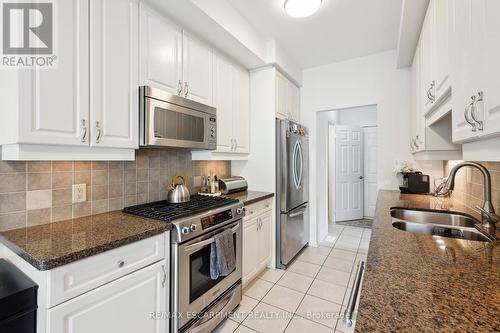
x=114, y=68
x=197, y=70
x=250, y=259
x=426, y=48
x=441, y=52
x=224, y=102
x=265, y=238
x=465, y=30
x=241, y=110
x=124, y=305
x=491, y=50
x=281, y=91
x=295, y=103
x=160, y=52
x=416, y=101
x=54, y=105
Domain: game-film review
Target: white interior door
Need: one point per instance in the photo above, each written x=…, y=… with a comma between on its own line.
x=370, y=170
x=349, y=173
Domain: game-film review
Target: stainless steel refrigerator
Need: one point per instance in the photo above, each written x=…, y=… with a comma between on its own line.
x=292, y=190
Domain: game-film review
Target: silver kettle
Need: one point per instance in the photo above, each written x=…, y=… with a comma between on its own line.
x=178, y=192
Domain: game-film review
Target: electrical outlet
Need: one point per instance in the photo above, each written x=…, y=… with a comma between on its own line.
x=79, y=193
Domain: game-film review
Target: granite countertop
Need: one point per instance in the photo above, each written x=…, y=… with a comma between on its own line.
x=423, y=283
x=48, y=246
x=250, y=197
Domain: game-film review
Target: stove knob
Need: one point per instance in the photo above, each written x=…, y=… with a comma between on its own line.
x=192, y=227
x=240, y=211
x=185, y=230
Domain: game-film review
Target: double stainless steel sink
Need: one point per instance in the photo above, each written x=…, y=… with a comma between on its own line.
x=439, y=224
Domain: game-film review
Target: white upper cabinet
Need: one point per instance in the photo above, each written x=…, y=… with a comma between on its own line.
x=287, y=99
x=114, y=67
x=428, y=81
x=224, y=103
x=197, y=70
x=161, y=52
x=441, y=48
x=53, y=104
x=241, y=110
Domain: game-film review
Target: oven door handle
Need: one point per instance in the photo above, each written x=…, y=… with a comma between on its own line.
x=196, y=246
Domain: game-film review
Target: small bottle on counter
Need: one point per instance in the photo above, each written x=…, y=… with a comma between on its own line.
x=216, y=180
x=212, y=182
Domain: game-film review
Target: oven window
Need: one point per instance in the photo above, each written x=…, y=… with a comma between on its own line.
x=199, y=272
x=178, y=126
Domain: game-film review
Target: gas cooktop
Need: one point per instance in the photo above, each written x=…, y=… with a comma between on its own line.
x=165, y=211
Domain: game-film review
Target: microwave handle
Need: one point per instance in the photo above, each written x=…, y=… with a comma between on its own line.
x=199, y=245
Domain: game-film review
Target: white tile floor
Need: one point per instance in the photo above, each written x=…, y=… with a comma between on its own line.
x=310, y=295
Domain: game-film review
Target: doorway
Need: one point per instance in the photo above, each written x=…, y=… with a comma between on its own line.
x=352, y=166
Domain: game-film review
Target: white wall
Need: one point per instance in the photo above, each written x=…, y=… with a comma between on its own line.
x=371, y=80
x=359, y=116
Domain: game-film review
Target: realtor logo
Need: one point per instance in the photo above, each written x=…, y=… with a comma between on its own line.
x=27, y=34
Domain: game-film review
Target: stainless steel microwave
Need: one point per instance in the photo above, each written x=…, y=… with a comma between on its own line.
x=168, y=120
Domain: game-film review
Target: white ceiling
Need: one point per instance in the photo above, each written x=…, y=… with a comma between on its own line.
x=340, y=30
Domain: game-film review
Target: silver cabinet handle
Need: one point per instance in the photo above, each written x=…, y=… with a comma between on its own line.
x=480, y=123
x=349, y=311
x=235, y=144
x=433, y=95
x=415, y=144
x=98, y=128
x=179, y=88
x=186, y=89
x=84, y=131
x=466, y=114
x=121, y=263
x=164, y=276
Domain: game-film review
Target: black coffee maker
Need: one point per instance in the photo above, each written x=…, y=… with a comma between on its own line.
x=415, y=183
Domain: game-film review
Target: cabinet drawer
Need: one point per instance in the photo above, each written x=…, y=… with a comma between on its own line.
x=258, y=208
x=74, y=279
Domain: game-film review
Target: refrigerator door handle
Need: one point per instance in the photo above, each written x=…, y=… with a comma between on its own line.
x=301, y=212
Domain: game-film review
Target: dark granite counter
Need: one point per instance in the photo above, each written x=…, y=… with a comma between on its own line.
x=424, y=283
x=250, y=197
x=48, y=246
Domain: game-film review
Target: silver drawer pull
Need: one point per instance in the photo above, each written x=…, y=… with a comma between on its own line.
x=164, y=276
x=349, y=311
x=121, y=263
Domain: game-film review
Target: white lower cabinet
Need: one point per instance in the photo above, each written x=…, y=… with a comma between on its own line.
x=257, y=240
x=125, y=305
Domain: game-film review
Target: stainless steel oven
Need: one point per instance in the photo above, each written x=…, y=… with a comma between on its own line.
x=199, y=302
x=168, y=120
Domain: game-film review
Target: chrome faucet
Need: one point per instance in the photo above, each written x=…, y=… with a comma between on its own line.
x=487, y=211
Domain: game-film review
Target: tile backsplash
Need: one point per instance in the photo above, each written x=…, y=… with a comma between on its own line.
x=469, y=185
x=41, y=192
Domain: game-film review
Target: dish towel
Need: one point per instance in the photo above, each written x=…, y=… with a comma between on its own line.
x=222, y=257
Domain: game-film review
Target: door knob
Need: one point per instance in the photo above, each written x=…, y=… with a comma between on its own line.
x=361, y=177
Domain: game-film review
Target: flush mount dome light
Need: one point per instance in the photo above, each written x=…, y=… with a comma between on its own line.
x=301, y=8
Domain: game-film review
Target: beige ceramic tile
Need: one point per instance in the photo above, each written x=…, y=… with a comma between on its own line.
x=272, y=275
x=130, y=188
x=319, y=311
x=39, y=181
x=312, y=258
x=12, y=182
x=99, y=192
x=12, y=166
x=39, y=216
x=333, y=276
x=142, y=175
x=328, y=291
x=99, y=207
x=62, y=166
x=348, y=246
x=81, y=166
x=227, y=326
x=12, y=202
x=39, y=199
x=12, y=221
x=100, y=177
x=283, y=298
x=115, y=190
x=304, y=268
x=116, y=165
x=339, y=264
x=39, y=166
x=257, y=289
x=302, y=325
x=82, y=177
x=244, y=329
x=247, y=304
x=115, y=176
x=295, y=281
x=321, y=250
x=115, y=204
x=100, y=165
x=61, y=197
x=62, y=213
x=267, y=319
x=82, y=209
x=130, y=176
x=62, y=179
x=342, y=254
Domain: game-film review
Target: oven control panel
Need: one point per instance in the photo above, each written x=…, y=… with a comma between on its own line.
x=210, y=221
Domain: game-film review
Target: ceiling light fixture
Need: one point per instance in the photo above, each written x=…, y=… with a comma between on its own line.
x=302, y=8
